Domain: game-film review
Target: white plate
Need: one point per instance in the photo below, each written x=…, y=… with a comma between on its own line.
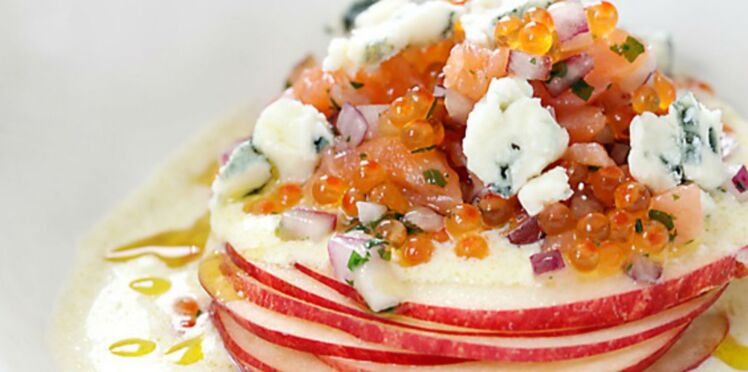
x=93, y=94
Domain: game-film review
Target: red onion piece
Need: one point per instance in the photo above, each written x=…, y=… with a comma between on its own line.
x=740, y=180
x=528, y=66
x=426, y=219
x=458, y=106
x=569, y=19
x=340, y=247
x=544, y=262
x=644, y=270
x=370, y=212
x=371, y=113
x=352, y=126
x=527, y=232
x=576, y=68
x=301, y=223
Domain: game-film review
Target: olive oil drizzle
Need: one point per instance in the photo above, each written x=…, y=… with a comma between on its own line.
x=150, y=286
x=733, y=353
x=132, y=347
x=193, y=351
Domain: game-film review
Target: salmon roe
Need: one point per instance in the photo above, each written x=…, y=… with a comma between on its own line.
x=414, y=105
x=604, y=183
x=632, y=197
x=666, y=92
x=653, y=238
x=506, y=30
x=472, y=246
x=418, y=134
x=350, y=198
x=594, y=227
x=392, y=231
x=645, y=99
x=584, y=256
x=555, y=219
x=328, y=189
x=390, y=195
x=368, y=175
x=563, y=242
x=416, y=250
x=464, y=218
x=535, y=38
x=539, y=15
x=263, y=206
x=289, y=194
x=497, y=211
x=584, y=203
x=621, y=225
x=612, y=256
x=602, y=18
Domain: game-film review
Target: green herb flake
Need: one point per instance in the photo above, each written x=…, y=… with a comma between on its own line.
x=375, y=243
x=423, y=149
x=356, y=85
x=673, y=235
x=662, y=217
x=534, y=61
x=639, y=226
x=363, y=156
x=559, y=70
x=349, y=282
x=432, y=108
x=385, y=253
x=356, y=260
x=582, y=90
x=676, y=197
x=434, y=177
x=629, y=49
x=334, y=104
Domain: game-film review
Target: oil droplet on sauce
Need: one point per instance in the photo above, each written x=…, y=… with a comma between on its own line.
x=175, y=248
x=132, y=347
x=733, y=353
x=150, y=286
x=193, y=351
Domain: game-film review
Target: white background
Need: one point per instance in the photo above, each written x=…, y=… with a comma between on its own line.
x=95, y=93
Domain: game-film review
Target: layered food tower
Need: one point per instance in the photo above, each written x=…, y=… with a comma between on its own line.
x=480, y=186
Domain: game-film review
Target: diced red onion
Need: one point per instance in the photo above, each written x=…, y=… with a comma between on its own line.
x=569, y=19
x=576, y=68
x=370, y=212
x=371, y=113
x=458, y=106
x=641, y=74
x=527, y=232
x=301, y=223
x=352, y=126
x=619, y=152
x=426, y=219
x=740, y=180
x=644, y=270
x=728, y=145
x=339, y=249
x=544, y=262
x=439, y=91
x=528, y=66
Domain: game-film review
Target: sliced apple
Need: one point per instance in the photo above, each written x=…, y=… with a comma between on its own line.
x=696, y=345
x=249, y=349
x=465, y=347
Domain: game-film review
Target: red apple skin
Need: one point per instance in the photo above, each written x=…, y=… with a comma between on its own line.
x=425, y=343
x=288, y=288
x=242, y=358
x=597, y=313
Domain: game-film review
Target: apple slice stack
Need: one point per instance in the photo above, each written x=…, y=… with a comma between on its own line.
x=292, y=318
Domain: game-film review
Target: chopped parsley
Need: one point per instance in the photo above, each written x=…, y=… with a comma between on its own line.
x=349, y=282
x=662, y=217
x=559, y=70
x=639, y=226
x=629, y=49
x=431, y=109
x=423, y=149
x=363, y=156
x=334, y=104
x=582, y=90
x=676, y=197
x=375, y=243
x=356, y=85
x=385, y=253
x=534, y=61
x=356, y=260
x=434, y=177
